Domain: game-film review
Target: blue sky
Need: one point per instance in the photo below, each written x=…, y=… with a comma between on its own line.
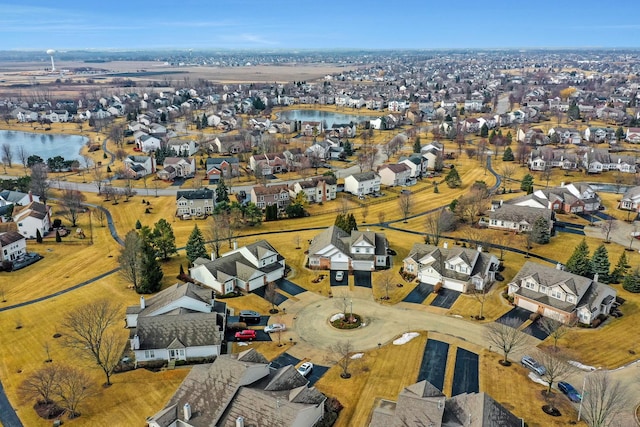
x=304, y=24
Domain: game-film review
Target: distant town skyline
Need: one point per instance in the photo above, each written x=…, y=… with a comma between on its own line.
x=331, y=24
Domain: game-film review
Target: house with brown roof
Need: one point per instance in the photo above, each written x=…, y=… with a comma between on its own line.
x=13, y=245
x=242, y=389
x=222, y=167
x=335, y=249
x=459, y=269
x=181, y=322
x=32, y=218
x=268, y=163
x=395, y=174
x=263, y=195
x=422, y=404
x=246, y=269
x=560, y=295
x=177, y=167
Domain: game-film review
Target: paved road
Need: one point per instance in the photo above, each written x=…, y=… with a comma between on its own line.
x=8, y=417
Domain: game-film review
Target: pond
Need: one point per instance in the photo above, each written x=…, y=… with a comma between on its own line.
x=43, y=144
x=318, y=116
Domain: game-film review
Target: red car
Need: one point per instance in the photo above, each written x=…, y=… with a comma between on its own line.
x=246, y=335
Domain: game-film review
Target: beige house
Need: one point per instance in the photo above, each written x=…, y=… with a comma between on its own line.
x=335, y=249
x=195, y=202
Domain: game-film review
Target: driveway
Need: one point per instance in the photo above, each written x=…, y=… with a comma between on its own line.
x=434, y=363
x=289, y=287
x=362, y=278
x=517, y=315
x=465, y=375
x=334, y=282
x=445, y=298
x=419, y=293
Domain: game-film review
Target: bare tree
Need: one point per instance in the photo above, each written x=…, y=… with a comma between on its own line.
x=438, y=223
x=385, y=282
x=481, y=296
x=604, y=398
x=98, y=178
x=365, y=211
x=342, y=356
x=556, y=367
x=405, y=203
x=73, y=387
x=40, y=385
x=130, y=259
x=506, y=337
x=271, y=295
x=40, y=181
x=607, y=227
x=217, y=224
x=507, y=173
x=547, y=173
x=23, y=155
x=554, y=328
x=7, y=155
x=72, y=201
x=344, y=204
x=88, y=331
x=381, y=216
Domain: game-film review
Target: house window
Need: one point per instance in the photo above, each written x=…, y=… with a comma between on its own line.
x=149, y=354
x=528, y=285
x=556, y=294
x=571, y=298
x=543, y=289
x=410, y=268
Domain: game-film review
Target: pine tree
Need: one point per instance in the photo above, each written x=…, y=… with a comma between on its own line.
x=163, y=239
x=58, y=236
x=222, y=192
x=600, y=264
x=348, y=148
x=540, y=231
x=351, y=222
x=508, y=156
x=484, y=130
x=138, y=225
x=453, y=179
x=631, y=282
x=152, y=274
x=416, y=145
x=579, y=262
x=527, y=183
x=195, y=245
x=620, y=270
x=38, y=236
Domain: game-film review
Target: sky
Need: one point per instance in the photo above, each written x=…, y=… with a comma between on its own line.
x=310, y=24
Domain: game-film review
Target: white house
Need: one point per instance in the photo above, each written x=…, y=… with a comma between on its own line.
x=631, y=200
x=560, y=295
x=395, y=174
x=181, y=147
x=195, y=202
x=459, y=269
x=334, y=249
x=246, y=269
x=139, y=166
x=32, y=218
x=147, y=143
x=13, y=245
x=363, y=183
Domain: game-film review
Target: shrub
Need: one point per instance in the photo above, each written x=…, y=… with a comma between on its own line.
x=534, y=316
x=237, y=326
x=57, y=223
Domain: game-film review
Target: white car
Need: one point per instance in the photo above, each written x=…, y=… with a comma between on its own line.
x=339, y=276
x=276, y=327
x=305, y=369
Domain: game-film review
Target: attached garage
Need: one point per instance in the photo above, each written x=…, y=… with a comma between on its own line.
x=526, y=304
x=455, y=285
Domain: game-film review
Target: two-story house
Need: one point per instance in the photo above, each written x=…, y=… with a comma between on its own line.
x=246, y=269
x=13, y=245
x=560, y=295
x=268, y=164
x=362, y=184
x=263, y=196
x=631, y=200
x=32, y=218
x=316, y=190
x=335, y=249
x=139, y=166
x=222, y=167
x=181, y=322
x=146, y=143
x=182, y=147
x=458, y=269
x=195, y=202
x=395, y=174
x=177, y=167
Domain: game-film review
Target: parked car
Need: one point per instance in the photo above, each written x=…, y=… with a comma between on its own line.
x=275, y=327
x=250, y=317
x=391, y=252
x=570, y=391
x=305, y=369
x=531, y=363
x=339, y=276
x=246, y=335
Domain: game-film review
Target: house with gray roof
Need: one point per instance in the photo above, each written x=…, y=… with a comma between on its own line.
x=32, y=218
x=631, y=200
x=459, y=269
x=519, y=218
x=422, y=404
x=560, y=295
x=242, y=389
x=13, y=245
x=222, y=167
x=195, y=202
x=181, y=322
x=335, y=249
x=139, y=166
x=246, y=269
x=362, y=184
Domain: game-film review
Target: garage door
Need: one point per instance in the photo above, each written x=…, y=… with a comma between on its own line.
x=340, y=265
x=454, y=286
x=528, y=305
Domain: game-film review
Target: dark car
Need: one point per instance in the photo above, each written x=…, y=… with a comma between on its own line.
x=570, y=391
x=250, y=317
x=391, y=252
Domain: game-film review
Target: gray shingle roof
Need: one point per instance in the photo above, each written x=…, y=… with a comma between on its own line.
x=190, y=329
x=200, y=194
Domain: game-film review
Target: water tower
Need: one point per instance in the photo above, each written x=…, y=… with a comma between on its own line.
x=50, y=52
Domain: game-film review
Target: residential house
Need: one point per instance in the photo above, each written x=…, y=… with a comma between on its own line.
x=560, y=295
x=268, y=164
x=181, y=322
x=519, y=218
x=543, y=158
x=343, y=130
x=18, y=198
x=309, y=128
x=362, y=183
x=473, y=105
x=565, y=135
x=633, y=135
x=182, y=147
x=316, y=190
x=395, y=174
x=195, y=202
x=222, y=167
x=416, y=164
x=242, y=389
x=146, y=143
x=246, y=269
x=568, y=198
x=32, y=218
x=459, y=269
x=422, y=404
x=228, y=146
x=177, y=167
x=599, y=135
x=335, y=249
x=264, y=196
x=631, y=200
x=432, y=154
x=13, y=246
x=58, y=116
x=597, y=161
x=139, y=166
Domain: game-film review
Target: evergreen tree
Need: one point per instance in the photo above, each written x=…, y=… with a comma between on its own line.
x=540, y=231
x=631, y=282
x=340, y=222
x=138, y=225
x=163, y=239
x=484, y=130
x=152, y=274
x=203, y=122
x=579, y=262
x=58, y=237
x=346, y=222
x=620, y=133
x=271, y=213
x=600, y=264
x=351, y=223
x=509, y=138
x=527, y=183
x=222, y=192
x=620, y=270
x=453, y=178
x=348, y=148
x=38, y=236
x=508, y=156
x=195, y=245
x=416, y=145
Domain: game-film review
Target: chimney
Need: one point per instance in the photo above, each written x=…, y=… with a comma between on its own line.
x=596, y=276
x=135, y=343
x=30, y=196
x=445, y=245
x=213, y=255
x=187, y=411
x=479, y=248
x=235, y=245
x=142, y=302
x=240, y=422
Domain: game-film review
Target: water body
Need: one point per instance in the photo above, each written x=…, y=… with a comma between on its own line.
x=44, y=145
x=318, y=116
